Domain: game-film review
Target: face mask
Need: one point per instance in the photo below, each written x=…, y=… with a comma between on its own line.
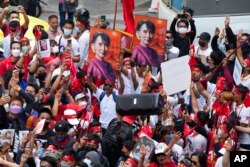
x=15, y=109
x=87, y=161
x=83, y=103
x=24, y=49
x=220, y=133
x=169, y=138
x=15, y=52
x=67, y=32
x=202, y=44
x=169, y=42
x=24, y=105
x=182, y=30
x=55, y=49
x=41, y=76
x=61, y=138
x=64, y=164
x=78, y=30
x=40, y=152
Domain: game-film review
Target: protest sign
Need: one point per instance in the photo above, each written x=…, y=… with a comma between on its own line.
x=176, y=75
x=237, y=71
x=44, y=47
x=39, y=127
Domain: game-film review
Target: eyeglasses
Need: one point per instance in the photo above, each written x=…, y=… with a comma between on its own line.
x=194, y=162
x=168, y=37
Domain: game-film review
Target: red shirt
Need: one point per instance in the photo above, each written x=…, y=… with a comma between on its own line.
x=167, y=164
x=6, y=30
x=6, y=65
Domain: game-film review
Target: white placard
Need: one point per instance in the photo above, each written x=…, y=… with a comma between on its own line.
x=176, y=75
x=237, y=71
x=44, y=47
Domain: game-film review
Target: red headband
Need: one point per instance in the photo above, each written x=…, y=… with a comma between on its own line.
x=195, y=69
x=220, y=84
x=52, y=147
x=70, y=116
x=132, y=162
x=95, y=129
x=68, y=158
x=237, y=91
x=65, y=55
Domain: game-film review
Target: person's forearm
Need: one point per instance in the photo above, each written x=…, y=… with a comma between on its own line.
x=7, y=163
x=133, y=76
x=2, y=14
x=20, y=62
x=56, y=83
x=202, y=91
x=33, y=67
x=226, y=159
x=214, y=43
x=140, y=164
x=243, y=129
x=240, y=55
x=121, y=88
x=69, y=98
x=48, y=80
x=26, y=20
x=55, y=107
x=229, y=78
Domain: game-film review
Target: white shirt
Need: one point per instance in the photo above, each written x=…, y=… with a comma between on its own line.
x=128, y=83
x=244, y=114
x=196, y=142
x=173, y=53
x=205, y=53
x=6, y=46
x=64, y=42
x=83, y=42
x=245, y=81
x=107, y=108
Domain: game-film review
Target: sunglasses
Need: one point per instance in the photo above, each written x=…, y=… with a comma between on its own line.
x=168, y=37
x=194, y=162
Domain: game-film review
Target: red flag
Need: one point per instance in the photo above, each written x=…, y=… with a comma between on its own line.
x=128, y=16
x=192, y=61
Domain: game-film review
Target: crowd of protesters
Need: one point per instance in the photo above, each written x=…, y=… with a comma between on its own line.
x=197, y=127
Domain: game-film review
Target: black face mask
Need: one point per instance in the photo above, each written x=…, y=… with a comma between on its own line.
x=202, y=44
x=41, y=76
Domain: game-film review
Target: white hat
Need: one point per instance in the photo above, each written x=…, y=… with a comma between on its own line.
x=71, y=116
x=160, y=148
x=79, y=96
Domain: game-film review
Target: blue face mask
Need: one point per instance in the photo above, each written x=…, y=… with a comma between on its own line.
x=61, y=138
x=78, y=30
x=169, y=138
x=67, y=32
x=64, y=164
x=40, y=152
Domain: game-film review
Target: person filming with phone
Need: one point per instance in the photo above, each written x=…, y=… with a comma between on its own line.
x=184, y=30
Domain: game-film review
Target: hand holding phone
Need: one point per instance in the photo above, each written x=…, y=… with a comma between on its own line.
x=69, y=42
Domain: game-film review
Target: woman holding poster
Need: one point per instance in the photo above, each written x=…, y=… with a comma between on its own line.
x=99, y=69
x=142, y=53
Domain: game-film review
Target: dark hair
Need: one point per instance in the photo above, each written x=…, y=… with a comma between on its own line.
x=186, y=107
x=169, y=32
x=69, y=152
x=242, y=89
x=14, y=42
x=166, y=130
x=34, y=86
x=217, y=57
x=183, y=21
x=13, y=12
x=202, y=157
x=44, y=110
x=129, y=144
x=189, y=10
x=69, y=22
x=94, y=123
x=203, y=117
x=245, y=34
x=149, y=24
x=52, y=17
x=93, y=137
x=51, y=160
x=17, y=98
x=53, y=42
x=103, y=36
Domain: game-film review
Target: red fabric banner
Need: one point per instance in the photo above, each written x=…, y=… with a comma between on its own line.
x=128, y=16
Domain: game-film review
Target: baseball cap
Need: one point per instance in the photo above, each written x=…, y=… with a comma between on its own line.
x=61, y=126
x=129, y=119
x=71, y=116
x=160, y=148
x=79, y=96
x=205, y=36
x=75, y=107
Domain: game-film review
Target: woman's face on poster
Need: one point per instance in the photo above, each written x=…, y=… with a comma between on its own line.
x=99, y=47
x=145, y=35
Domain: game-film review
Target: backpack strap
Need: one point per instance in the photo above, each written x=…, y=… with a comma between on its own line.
x=102, y=96
x=59, y=44
x=114, y=96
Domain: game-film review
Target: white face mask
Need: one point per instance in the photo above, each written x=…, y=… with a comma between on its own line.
x=182, y=30
x=15, y=52
x=83, y=103
x=87, y=161
x=55, y=49
x=220, y=133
